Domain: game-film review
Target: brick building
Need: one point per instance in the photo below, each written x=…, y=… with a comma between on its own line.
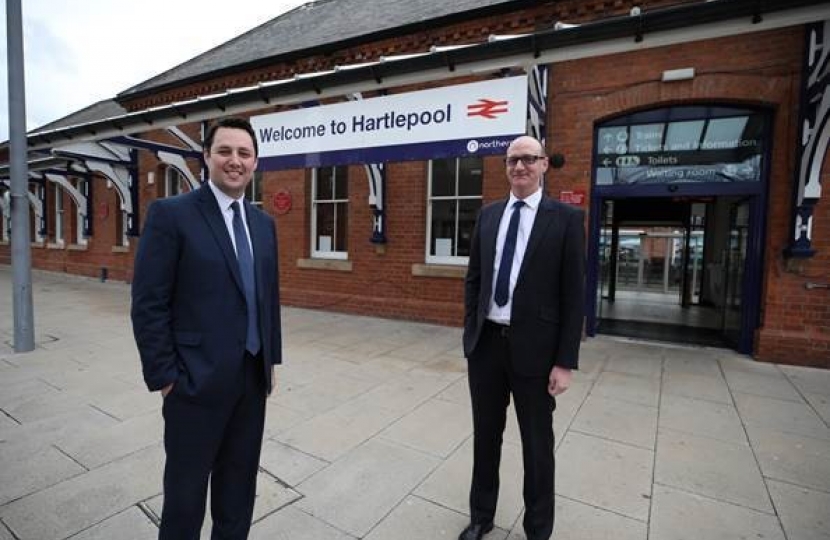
x=692, y=133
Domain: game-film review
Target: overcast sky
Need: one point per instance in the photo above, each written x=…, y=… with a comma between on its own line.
x=80, y=52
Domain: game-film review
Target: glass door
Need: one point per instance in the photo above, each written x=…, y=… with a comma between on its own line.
x=734, y=268
x=607, y=257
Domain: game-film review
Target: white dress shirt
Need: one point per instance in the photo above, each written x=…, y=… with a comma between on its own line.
x=501, y=314
x=227, y=213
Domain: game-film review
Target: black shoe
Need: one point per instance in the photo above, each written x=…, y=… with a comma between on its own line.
x=476, y=531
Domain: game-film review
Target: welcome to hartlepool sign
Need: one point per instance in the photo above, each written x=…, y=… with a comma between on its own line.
x=469, y=119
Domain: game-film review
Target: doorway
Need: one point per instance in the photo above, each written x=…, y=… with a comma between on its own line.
x=677, y=221
x=674, y=269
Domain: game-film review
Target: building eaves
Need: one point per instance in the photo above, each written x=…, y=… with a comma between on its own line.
x=106, y=108
x=318, y=27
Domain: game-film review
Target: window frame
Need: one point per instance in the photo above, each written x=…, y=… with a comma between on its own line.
x=253, y=191
x=82, y=186
x=60, y=230
x=454, y=260
x=334, y=254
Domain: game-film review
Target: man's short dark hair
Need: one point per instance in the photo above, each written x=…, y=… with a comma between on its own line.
x=236, y=122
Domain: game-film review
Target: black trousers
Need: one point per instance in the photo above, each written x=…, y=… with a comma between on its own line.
x=492, y=381
x=220, y=442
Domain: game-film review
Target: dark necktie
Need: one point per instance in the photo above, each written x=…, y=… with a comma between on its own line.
x=507, y=251
x=246, y=270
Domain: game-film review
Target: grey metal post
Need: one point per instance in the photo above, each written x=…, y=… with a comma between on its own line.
x=24, y=326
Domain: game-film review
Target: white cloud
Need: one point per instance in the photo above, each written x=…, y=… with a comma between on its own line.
x=78, y=53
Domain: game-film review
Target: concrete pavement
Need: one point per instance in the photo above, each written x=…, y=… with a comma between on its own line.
x=369, y=435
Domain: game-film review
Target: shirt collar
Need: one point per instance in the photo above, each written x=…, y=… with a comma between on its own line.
x=224, y=200
x=531, y=201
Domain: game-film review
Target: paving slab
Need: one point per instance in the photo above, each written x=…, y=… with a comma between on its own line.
x=691, y=362
x=694, y=386
x=803, y=511
x=678, y=515
x=437, y=427
x=577, y=521
x=56, y=428
x=18, y=387
x=701, y=417
x=568, y=404
x=83, y=501
x=131, y=524
x=332, y=493
x=650, y=365
x=416, y=519
x=792, y=458
x=458, y=392
x=108, y=443
x=795, y=417
x=279, y=419
x=616, y=420
x=291, y=523
x=772, y=384
x=126, y=403
x=820, y=404
x=327, y=391
x=627, y=387
x=720, y=470
x=808, y=380
x=449, y=484
x=289, y=465
x=613, y=476
x=271, y=496
x=591, y=362
x=333, y=434
x=27, y=469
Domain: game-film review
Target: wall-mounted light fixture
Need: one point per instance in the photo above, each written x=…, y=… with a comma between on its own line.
x=151, y=178
x=671, y=75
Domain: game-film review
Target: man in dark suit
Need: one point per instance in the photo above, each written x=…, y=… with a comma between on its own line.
x=206, y=319
x=524, y=295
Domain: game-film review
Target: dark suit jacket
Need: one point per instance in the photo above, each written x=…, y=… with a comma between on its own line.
x=548, y=301
x=188, y=305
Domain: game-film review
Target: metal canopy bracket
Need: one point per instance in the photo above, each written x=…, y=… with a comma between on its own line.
x=81, y=201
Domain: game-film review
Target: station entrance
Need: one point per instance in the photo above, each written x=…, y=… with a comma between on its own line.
x=677, y=225
x=675, y=270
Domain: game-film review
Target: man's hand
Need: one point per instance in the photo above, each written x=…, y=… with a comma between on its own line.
x=559, y=380
x=166, y=390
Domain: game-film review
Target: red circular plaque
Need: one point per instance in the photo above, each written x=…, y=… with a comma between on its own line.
x=282, y=201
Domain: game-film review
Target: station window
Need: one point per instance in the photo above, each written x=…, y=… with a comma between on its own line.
x=59, y=225
x=174, y=182
x=254, y=190
x=80, y=237
x=330, y=212
x=454, y=200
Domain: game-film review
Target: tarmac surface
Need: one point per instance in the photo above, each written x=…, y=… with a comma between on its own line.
x=369, y=435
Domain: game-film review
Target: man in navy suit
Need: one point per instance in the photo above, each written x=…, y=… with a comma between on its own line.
x=524, y=295
x=206, y=319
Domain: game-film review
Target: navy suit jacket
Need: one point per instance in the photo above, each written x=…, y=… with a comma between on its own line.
x=548, y=301
x=188, y=305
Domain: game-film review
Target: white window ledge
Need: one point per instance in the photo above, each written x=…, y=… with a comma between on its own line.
x=439, y=270
x=325, y=264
